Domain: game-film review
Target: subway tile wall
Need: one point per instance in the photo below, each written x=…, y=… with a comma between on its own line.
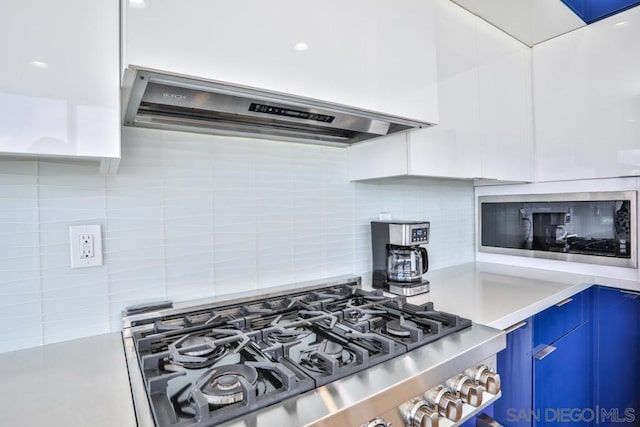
x=190, y=216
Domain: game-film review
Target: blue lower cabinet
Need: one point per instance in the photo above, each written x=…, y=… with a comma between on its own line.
x=617, y=367
x=516, y=373
x=560, y=319
x=588, y=375
x=525, y=379
x=563, y=382
x=472, y=422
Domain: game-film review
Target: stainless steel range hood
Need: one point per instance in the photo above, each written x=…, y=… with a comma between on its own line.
x=160, y=100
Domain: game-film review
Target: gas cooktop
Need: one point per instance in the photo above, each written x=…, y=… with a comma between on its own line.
x=210, y=364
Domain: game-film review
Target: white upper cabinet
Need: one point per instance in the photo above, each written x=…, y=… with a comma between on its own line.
x=380, y=157
x=453, y=147
x=59, y=80
x=587, y=93
x=485, y=107
x=506, y=106
x=374, y=55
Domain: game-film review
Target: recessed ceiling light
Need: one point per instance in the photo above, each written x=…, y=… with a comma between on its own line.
x=137, y=3
x=39, y=64
x=300, y=46
x=620, y=24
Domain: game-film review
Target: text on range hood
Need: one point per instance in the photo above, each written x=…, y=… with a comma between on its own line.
x=174, y=102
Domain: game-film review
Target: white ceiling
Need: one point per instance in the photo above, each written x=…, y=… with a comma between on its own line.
x=530, y=21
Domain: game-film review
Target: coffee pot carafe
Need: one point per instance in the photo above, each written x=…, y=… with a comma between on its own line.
x=407, y=263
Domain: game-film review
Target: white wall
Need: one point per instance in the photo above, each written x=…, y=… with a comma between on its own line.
x=189, y=216
x=613, y=184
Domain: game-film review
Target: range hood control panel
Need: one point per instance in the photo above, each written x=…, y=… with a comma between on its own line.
x=267, y=109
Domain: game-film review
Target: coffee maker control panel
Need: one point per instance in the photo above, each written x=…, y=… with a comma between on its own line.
x=407, y=233
x=420, y=235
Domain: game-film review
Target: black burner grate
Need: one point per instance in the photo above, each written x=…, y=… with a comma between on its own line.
x=212, y=365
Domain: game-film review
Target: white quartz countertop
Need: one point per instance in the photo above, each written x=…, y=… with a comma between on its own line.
x=85, y=382
x=76, y=383
x=499, y=295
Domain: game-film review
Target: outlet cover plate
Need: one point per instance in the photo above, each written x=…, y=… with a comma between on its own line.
x=86, y=245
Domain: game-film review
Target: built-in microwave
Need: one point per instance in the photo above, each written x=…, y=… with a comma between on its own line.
x=596, y=228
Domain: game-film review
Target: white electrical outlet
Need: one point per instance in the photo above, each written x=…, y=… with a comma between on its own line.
x=86, y=245
x=385, y=216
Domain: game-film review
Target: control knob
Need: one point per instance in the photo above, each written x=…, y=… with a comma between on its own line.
x=418, y=413
x=485, y=377
x=377, y=422
x=448, y=404
x=466, y=389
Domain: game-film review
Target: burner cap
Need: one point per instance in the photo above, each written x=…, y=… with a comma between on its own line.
x=224, y=387
x=193, y=341
x=287, y=335
x=396, y=329
x=334, y=349
x=314, y=358
x=194, y=352
x=228, y=381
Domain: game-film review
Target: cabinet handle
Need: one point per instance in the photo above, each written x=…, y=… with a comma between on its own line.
x=630, y=292
x=564, y=301
x=515, y=327
x=545, y=352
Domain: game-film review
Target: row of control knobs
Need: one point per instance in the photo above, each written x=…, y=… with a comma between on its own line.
x=447, y=400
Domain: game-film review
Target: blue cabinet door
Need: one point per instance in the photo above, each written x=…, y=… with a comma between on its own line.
x=563, y=381
x=617, y=373
x=515, y=368
x=562, y=318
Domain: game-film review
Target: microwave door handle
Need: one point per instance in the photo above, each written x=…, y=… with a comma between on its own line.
x=425, y=260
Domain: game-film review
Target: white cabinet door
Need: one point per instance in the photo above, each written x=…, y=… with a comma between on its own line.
x=506, y=108
x=485, y=103
x=453, y=147
x=374, y=55
x=587, y=101
x=379, y=158
x=59, y=80
x=485, y=107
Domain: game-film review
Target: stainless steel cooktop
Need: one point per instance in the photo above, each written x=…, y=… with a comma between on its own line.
x=217, y=363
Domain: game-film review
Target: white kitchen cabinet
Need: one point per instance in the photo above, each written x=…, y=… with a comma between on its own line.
x=59, y=81
x=485, y=108
x=587, y=101
x=380, y=157
x=411, y=153
x=506, y=106
x=374, y=55
x=453, y=147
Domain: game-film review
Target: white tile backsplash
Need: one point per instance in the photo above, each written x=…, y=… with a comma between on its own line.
x=20, y=286
x=189, y=216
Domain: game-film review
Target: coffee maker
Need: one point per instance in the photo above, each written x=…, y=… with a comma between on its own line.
x=399, y=260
